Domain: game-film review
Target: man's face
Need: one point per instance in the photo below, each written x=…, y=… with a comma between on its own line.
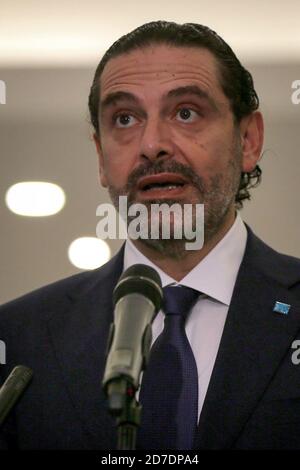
x=163, y=113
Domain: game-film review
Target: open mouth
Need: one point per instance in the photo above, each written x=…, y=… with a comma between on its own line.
x=161, y=181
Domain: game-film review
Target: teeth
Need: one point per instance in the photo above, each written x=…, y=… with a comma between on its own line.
x=162, y=185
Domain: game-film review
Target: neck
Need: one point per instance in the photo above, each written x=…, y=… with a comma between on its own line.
x=179, y=268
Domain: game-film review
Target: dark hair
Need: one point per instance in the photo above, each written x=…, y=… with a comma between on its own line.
x=236, y=81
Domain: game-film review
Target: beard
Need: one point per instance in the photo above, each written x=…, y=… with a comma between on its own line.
x=217, y=194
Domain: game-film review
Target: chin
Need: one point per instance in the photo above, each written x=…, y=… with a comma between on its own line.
x=174, y=249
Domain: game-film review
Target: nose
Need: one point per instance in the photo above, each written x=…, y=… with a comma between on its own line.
x=156, y=140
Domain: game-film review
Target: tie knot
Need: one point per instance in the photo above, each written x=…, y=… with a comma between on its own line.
x=178, y=300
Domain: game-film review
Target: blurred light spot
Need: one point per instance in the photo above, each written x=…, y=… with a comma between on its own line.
x=35, y=198
x=88, y=252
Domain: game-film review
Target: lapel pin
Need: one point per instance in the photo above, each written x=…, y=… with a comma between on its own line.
x=282, y=308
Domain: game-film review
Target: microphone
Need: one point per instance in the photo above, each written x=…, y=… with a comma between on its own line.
x=137, y=298
x=12, y=388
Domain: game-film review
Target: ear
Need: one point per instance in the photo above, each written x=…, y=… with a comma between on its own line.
x=103, y=179
x=252, y=138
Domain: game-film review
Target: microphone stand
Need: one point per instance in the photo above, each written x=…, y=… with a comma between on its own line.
x=137, y=298
x=127, y=411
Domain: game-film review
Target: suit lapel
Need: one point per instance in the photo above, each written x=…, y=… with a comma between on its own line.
x=79, y=334
x=254, y=341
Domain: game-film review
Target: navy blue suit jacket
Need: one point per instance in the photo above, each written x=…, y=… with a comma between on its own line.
x=61, y=330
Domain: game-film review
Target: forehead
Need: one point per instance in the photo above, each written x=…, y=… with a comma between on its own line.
x=162, y=65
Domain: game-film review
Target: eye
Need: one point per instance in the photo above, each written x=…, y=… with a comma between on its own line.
x=186, y=114
x=124, y=120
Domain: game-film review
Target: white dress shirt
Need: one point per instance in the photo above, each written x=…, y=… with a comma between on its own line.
x=215, y=278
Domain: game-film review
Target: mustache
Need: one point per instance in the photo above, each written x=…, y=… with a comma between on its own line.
x=155, y=168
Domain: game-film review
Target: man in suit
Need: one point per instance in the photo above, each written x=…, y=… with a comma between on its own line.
x=176, y=120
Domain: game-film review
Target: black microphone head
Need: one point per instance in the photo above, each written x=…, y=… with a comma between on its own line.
x=141, y=279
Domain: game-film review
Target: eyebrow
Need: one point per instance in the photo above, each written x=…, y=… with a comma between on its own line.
x=118, y=96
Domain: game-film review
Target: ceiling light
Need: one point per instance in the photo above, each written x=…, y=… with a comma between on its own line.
x=88, y=252
x=35, y=198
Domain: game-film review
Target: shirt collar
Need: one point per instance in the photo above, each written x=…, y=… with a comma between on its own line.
x=216, y=274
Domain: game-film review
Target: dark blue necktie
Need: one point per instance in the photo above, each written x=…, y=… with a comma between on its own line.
x=169, y=391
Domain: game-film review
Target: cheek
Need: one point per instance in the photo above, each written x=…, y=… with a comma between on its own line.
x=117, y=164
x=211, y=157
x=201, y=153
